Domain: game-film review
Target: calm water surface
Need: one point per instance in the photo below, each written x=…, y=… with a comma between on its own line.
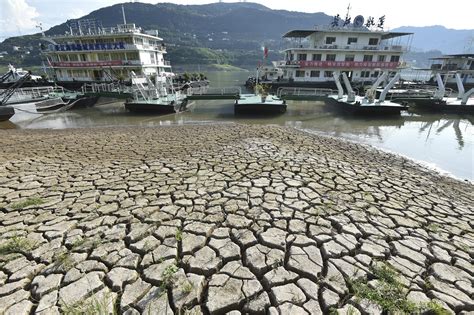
x=443, y=142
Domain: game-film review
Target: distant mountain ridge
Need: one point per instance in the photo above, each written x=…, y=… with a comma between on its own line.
x=437, y=37
x=221, y=33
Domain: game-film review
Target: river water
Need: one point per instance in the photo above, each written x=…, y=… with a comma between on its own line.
x=441, y=142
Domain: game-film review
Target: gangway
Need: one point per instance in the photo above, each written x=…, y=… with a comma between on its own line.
x=304, y=94
x=207, y=93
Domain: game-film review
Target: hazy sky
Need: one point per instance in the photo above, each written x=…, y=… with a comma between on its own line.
x=19, y=17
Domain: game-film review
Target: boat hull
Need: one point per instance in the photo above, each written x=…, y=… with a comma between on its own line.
x=255, y=104
x=440, y=106
x=6, y=112
x=84, y=101
x=259, y=108
x=360, y=110
x=137, y=107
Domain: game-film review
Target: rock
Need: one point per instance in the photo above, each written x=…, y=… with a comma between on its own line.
x=329, y=298
x=119, y=277
x=260, y=258
x=47, y=304
x=306, y=261
x=133, y=293
x=81, y=288
x=22, y=308
x=226, y=292
x=288, y=293
x=42, y=285
x=278, y=276
x=204, y=261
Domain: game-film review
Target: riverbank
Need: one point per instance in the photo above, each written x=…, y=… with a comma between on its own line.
x=225, y=217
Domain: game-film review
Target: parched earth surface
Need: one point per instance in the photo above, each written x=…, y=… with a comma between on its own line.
x=223, y=218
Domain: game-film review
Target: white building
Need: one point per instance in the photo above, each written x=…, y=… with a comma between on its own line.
x=106, y=54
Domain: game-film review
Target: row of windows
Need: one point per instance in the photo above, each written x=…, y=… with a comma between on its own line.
x=328, y=74
x=313, y=74
x=351, y=40
x=94, y=57
x=332, y=57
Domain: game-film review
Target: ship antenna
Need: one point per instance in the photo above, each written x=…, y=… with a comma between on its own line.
x=123, y=13
x=348, y=10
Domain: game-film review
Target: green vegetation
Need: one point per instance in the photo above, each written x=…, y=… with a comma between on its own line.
x=433, y=227
x=17, y=244
x=102, y=306
x=167, y=276
x=28, y=202
x=63, y=261
x=188, y=287
x=179, y=235
x=389, y=293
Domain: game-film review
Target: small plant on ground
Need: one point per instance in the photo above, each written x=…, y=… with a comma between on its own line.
x=167, y=276
x=388, y=292
x=435, y=308
x=187, y=287
x=433, y=227
x=179, y=235
x=28, y=202
x=63, y=260
x=17, y=244
x=93, y=305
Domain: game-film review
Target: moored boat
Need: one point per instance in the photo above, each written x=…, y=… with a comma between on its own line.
x=255, y=104
x=365, y=105
x=6, y=112
x=159, y=98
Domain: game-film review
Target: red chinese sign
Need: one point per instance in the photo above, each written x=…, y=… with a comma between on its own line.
x=348, y=64
x=88, y=64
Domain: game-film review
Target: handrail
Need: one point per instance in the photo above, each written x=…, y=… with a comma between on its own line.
x=298, y=91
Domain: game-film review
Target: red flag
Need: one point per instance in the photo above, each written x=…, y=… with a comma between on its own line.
x=265, y=52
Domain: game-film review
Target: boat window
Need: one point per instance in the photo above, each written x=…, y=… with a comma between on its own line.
x=365, y=74
x=330, y=40
x=375, y=74
x=301, y=56
x=395, y=59
x=300, y=73
x=327, y=74
x=349, y=58
x=315, y=74
x=351, y=40
x=373, y=41
x=368, y=57
x=381, y=58
x=331, y=57
x=316, y=57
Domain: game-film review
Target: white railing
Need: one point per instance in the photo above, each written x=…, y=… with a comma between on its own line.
x=379, y=48
x=205, y=90
x=296, y=91
x=105, y=87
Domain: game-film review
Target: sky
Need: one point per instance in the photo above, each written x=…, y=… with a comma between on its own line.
x=21, y=17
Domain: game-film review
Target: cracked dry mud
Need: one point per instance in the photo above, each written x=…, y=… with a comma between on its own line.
x=224, y=218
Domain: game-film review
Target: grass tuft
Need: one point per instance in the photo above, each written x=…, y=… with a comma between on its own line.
x=17, y=244
x=28, y=202
x=390, y=294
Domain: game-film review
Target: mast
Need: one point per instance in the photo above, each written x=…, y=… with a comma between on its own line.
x=123, y=14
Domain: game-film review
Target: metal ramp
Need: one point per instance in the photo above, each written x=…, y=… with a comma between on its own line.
x=304, y=94
x=207, y=93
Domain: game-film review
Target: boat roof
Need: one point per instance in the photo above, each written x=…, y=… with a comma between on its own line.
x=453, y=56
x=306, y=33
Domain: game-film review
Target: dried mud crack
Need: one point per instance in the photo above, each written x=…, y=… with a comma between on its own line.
x=226, y=219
